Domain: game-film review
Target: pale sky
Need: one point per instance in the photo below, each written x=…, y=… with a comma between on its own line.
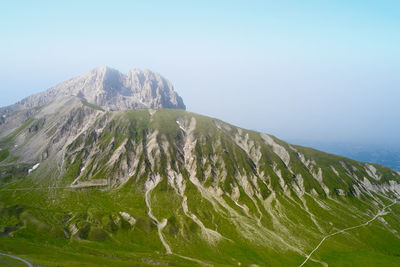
x=301, y=70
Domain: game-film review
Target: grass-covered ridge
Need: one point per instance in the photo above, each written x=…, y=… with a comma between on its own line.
x=120, y=188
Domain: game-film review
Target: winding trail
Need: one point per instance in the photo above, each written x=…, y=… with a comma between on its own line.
x=33, y=188
x=52, y=187
x=17, y=258
x=380, y=213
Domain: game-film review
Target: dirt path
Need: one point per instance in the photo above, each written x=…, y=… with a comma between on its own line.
x=380, y=213
x=17, y=258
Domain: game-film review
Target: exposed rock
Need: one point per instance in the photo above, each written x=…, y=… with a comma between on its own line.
x=278, y=149
x=371, y=170
x=111, y=90
x=127, y=217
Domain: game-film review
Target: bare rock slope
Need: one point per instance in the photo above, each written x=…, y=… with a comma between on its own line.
x=112, y=90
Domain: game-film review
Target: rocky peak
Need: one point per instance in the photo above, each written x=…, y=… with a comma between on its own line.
x=112, y=90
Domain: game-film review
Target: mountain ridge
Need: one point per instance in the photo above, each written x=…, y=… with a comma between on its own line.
x=171, y=187
x=111, y=90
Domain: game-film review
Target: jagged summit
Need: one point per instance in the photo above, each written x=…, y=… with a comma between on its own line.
x=113, y=90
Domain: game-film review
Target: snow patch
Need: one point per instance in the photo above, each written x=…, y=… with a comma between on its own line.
x=34, y=167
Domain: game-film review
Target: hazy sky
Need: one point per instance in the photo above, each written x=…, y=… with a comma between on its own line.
x=302, y=70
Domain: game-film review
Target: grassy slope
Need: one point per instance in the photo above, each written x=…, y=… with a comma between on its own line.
x=36, y=218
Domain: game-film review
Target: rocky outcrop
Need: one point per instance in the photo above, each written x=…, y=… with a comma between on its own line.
x=112, y=90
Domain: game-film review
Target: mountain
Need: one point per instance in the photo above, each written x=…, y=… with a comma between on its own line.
x=112, y=90
x=81, y=184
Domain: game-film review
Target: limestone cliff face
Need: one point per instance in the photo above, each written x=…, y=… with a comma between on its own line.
x=112, y=90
